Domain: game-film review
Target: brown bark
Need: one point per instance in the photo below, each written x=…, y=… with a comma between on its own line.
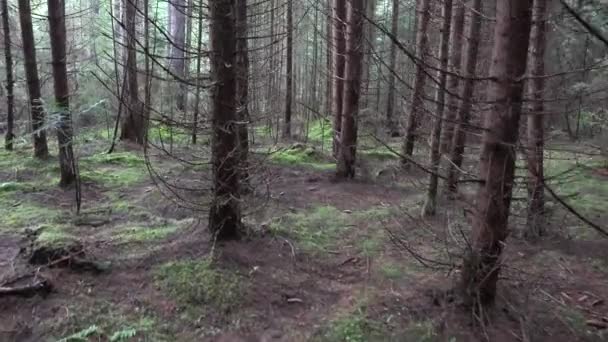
x=197, y=97
x=497, y=162
x=455, y=64
x=430, y=204
x=289, y=72
x=417, y=101
x=177, y=10
x=242, y=87
x=225, y=212
x=339, y=46
x=390, y=100
x=463, y=116
x=41, y=149
x=133, y=128
x=352, y=89
x=57, y=32
x=10, y=81
x=535, y=141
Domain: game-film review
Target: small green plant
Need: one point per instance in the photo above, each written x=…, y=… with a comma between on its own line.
x=321, y=131
x=302, y=155
x=143, y=234
x=199, y=282
x=420, y=332
x=123, y=335
x=82, y=335
x=391, y=271
x=352, y=327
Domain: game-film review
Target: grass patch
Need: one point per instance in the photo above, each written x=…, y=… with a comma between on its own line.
x=352, y=327
x=19, y=214
x=196, y=283
x=145, y=234
x=316, y=230
x=392, y=271
x=321, y=131
x=302, y=155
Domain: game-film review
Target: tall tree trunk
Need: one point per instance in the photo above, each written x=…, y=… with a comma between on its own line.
x=417, y=101
x=177, y=10
x=339, y=46
x=57, y=32
x=444, y=44
x=242, y=88
x=497, y=161
x=133, y=122
x=289, y=73
x=463, y=116
x=10, y=82
x=41, y=149
x=390, y=100
x=199, y=50
x=455, y=65
x=352, y=89
x=225, y=212
x=535, y=141
x=370, y=10
x=329, y=67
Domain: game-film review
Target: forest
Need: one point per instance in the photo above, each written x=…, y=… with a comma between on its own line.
x=304, y=170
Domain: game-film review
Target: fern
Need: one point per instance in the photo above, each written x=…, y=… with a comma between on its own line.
x=123, y=335
x=82, y=335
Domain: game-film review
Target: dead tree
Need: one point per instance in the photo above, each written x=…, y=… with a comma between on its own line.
x=30, y=64
x=482, y=263
x=10, y=81
x=225, y=212
x=352, y=89
x=57, y=32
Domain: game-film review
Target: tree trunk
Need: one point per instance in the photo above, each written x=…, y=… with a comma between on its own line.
x=390, y=100
x=352, y=89
x=197, y=96
x=417, y=101
x=41, y=149
x=133, y=122
x=57, y=32
x=455, y=65
x=444, y=44
x=471, y=52
x=10, y=82
x=497, y=161
x=535, y=141
x=289, y=73
x=338, y=29
x=242, y=88
x=177, y=9
x=225, y=212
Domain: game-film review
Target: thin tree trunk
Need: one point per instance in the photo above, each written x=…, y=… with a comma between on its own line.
x=456, y=42
x=289, y=72
x=352, y=89
x=390, y=99
x=197, y=96
x=497, y=162
x=41, y=149
x=57, y=32
x=338, y=29
x=133, y=122
x=178, y=45
x=10, y=81
x=225, y=212
x=535, y=141
x=430, y=205
x=242, y=88
x=471, y=52
x=417, y=101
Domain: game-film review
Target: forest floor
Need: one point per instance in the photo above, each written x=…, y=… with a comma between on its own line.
x=322, y=260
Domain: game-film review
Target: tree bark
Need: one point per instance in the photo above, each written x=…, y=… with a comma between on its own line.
x=390, y=99
x=133, y=127
x=417, y=101
x=430, y=204
x=10, y=81
x=225, y=212
x=57, y=32
x=463, y=116
x=41, y=149
x=289, y=73
x=482, y=263
x=242, y=81
x=338, y=30
x=177, y=10
x=455, y=65
x=352, y=89
x=535, y=141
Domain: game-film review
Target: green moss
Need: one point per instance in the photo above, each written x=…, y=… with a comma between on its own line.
x=391, y=271
x=196, y=283
x=352, y=327
x=166, y=134
x=144, y=234
x=321, y=131
x=303, y=156
x=19, y=214
x=56, y=235
x=379, y=153
x=316, y=230
x=126, y=159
